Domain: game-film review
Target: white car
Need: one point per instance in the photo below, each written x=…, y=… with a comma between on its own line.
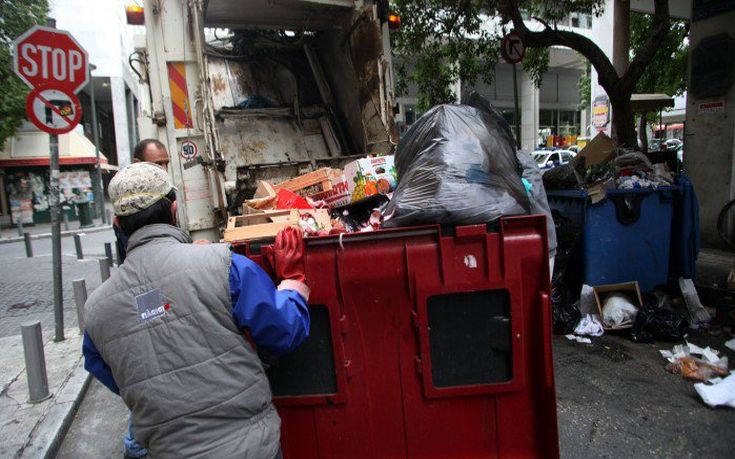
x=548, y=159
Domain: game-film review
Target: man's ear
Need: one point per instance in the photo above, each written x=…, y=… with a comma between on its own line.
x=173, y=213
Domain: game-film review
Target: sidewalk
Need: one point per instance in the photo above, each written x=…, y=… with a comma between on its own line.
x=36, y=430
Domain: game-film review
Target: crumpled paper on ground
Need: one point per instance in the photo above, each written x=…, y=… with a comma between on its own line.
x=722, y=392
x=579, y=339
x=589, y=325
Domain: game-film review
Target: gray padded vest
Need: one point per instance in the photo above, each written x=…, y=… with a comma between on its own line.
x=194, y=384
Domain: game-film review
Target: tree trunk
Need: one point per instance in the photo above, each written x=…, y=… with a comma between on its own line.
x=643, y=132
x=623, y=122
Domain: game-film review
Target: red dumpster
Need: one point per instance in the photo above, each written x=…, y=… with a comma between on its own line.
x=425, y=342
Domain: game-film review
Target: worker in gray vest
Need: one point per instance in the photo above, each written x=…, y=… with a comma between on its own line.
x=167, y=330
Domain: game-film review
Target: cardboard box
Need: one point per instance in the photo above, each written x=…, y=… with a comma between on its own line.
x=369, y=176
x=599, y=150
x=603, y=291
x=339, y=194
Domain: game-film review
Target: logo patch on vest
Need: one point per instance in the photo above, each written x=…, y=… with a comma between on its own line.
x=150, y=305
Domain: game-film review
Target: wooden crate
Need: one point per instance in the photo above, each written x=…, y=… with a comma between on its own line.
x=267, y=224
x=259, y=225
x=318, y=177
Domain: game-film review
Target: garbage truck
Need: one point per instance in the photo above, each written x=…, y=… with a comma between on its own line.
x=425, y=341
x=242, y=91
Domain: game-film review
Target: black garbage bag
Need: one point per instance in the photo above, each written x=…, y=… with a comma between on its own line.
x=564, y=177
x=564, y=316
x=658, y=324
x=457, y=165
x=564, y=285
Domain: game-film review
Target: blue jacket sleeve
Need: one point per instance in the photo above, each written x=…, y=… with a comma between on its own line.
x=278, y=320
x=94, y=364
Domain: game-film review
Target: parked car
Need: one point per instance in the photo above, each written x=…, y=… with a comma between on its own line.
x=674, y=144
x=549, y=159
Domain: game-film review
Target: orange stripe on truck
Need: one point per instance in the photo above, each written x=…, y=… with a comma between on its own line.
x=181, y=106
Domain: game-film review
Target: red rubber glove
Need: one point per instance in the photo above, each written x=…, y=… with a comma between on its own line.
x=288, y=255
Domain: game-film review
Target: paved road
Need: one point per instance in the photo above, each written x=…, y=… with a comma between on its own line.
x=26, y=287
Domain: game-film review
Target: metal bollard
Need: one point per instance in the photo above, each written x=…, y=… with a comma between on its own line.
x=78, y=246
x=108, y=253
x=108, y=213
x=29, y=248
x=35, y=362
x=80, y=297
x=104, y=269
x=65, y=217
x=20, y=226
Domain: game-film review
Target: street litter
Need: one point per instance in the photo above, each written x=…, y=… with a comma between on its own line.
x=682, y=361
x=589, y=325
x=718, y=392
x=618, y=304
x=697, y=313
x=579, y=339
x=618, y=310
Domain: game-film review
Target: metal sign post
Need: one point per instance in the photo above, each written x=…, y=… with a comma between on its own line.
x=512, y=49
x=55, y=66
x=56, y=237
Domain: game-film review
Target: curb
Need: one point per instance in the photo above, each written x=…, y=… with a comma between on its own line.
x=93, y=229
x=53, y=447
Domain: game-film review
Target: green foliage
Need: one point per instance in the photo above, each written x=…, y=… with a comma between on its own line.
x=16, y=16
x=666, y=74
x=667, y=71
x=585, y=88
x=446, y=41
x=536, y=63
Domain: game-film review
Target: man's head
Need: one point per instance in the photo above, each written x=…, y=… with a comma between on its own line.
x=151, y=151
x=142, y=194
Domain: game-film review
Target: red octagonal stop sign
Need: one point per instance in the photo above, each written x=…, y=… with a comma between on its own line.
x=45, y=56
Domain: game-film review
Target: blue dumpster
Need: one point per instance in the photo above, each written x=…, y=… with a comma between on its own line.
x=626, y=236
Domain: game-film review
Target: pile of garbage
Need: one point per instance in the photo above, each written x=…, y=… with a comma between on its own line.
x=456, y=165
x=601, y=166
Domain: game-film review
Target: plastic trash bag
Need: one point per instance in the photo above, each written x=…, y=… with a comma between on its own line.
x=618, y=310
x=564, y=317
x=589, y=325
x=457, y=164
x=658, y=324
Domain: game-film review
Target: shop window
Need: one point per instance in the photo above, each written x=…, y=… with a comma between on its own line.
x=470, y=338
x=310, y=369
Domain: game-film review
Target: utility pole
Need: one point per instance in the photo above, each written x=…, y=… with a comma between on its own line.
x=98, y=189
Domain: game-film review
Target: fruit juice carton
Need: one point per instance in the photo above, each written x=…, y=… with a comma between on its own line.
x=369, y=176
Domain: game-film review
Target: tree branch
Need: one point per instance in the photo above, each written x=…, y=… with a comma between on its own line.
x=607, y=76
x=644, y=55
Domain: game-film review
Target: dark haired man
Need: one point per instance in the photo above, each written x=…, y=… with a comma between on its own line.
x=167, y=330
x=151, y=151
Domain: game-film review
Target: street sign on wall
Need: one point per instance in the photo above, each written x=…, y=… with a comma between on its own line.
x=56, y=67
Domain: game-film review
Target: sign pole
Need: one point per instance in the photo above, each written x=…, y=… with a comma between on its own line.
x=99, y=192
x=56, y=236
x=512, y=49
x=517, y=110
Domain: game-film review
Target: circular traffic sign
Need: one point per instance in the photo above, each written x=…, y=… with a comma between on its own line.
x=512, y=48
x=53, y=109
x=43, y=55
x=188, y=149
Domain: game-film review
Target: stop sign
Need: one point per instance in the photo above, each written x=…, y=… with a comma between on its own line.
x=45, y=56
